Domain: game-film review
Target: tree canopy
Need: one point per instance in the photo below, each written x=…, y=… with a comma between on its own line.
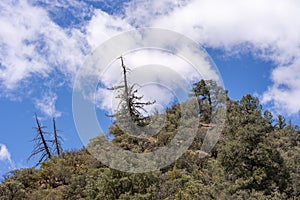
x=256, y=157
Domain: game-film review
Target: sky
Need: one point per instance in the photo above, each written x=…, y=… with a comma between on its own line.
x=255, y=45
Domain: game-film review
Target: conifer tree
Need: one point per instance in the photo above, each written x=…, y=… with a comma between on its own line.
x=280, y=124
x=210, y=96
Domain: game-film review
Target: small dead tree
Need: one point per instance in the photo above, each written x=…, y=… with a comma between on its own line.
x=57, y=139
x=41, y=144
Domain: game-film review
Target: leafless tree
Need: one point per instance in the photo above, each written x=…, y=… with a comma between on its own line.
x=41, y=144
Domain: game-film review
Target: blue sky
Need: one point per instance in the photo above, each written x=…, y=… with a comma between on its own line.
x=255, y=46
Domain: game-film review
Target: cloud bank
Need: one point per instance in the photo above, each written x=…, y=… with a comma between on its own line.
x=268, y=29
x=33, y=44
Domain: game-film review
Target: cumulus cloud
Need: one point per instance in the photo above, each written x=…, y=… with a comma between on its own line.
x=269, y=29
x=103, y=26
x=285, y=92
x=225, y=23
x=5, y=154
x=32, y=44
x=33, y=47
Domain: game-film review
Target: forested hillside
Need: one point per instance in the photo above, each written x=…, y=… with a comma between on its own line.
x=256, y=157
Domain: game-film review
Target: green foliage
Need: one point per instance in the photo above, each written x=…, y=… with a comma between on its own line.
x=249, y=158
x=256, y=157
x=210, y=96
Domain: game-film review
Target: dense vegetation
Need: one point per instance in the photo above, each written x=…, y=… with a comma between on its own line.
x=257, y=157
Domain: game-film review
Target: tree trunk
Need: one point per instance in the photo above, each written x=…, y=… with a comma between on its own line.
x=40, y=131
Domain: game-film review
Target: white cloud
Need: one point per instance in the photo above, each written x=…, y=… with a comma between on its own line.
x=285, y=92
x=222, y=23
x=33, y=45
x=228, y=24
x=47, y=105
x=103, y=26
x=5, y=154
x=142, y=12
x=156, y=57
x=269, y=29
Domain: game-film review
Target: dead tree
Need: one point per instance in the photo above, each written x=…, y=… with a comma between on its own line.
x=57, y=139
x=131, y=104
x=44, y=142
x=41, y=144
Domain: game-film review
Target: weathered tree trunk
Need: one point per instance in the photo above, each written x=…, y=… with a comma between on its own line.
x=57, y=145
x=40, y=131
x=126, y=88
